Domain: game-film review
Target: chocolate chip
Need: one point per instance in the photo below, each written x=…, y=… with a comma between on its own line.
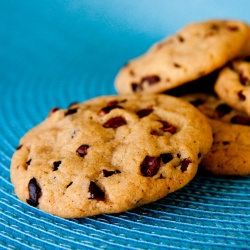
x=82, y=150
x=177, y=65
x=152, y=79
x=28, y=163
x=52, y=111
x=167, y=127
x=95, y=192
x=241, y=120
x=166, y=157
x=34, y=192
x=245, y=81
x=115, y=122
x=136, y=87
x=225, y=142
x=181, y=38
x=222, y=109
x=144, y=112
x=55, y=165
x=69, y=184
x=241, y=96
x=19, y=147
x=71, y=111
x=111, y=105
x=184, y=164
x=233, y=28
x=214, y=27
x=107, y=173
x=150, y=166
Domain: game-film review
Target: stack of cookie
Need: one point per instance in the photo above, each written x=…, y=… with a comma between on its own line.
x=114, y=153
x=208, y=63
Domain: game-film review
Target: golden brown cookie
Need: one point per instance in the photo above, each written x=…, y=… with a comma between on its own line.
x=110, y=154
x=233, y=85
x=196, y=50
x=229, y=154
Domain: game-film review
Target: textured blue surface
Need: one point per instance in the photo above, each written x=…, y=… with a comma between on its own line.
x=53, y=53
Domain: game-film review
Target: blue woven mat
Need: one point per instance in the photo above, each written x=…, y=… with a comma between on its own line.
x=53, y=53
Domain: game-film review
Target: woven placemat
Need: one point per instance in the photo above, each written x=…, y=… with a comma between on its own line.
x=53, y=53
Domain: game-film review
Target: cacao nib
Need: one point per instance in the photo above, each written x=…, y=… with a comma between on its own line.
x=241, y=96
x=107, y=173
x=222, y=109
x=82, y=150
x=241, y=120
x=34, y=193
x=95, y=192
x=166, y=157
x=115, y=122
x=184, y=164
x=167, y=127
x=144, y=112
x=56, y=164
x=71, y=111
x=150, y=166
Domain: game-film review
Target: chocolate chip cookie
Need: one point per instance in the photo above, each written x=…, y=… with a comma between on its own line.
x=196, y=50
x=110, y=154
x=229, y=154
x=233, y=84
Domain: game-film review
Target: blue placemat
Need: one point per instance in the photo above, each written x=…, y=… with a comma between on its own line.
x=53, y=53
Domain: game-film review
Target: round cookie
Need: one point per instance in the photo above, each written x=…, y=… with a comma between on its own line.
x=110, y=154
x=229, y=154
x=233, y=85
x=196, y=50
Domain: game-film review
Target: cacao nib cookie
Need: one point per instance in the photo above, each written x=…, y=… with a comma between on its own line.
x=110, y=154
x=196, y=50
x=233, y=84
x=229, y=154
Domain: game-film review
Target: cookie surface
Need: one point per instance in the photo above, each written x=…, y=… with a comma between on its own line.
x=110, y=154
x=229, y=154
x=196, y=50
x=233, y=85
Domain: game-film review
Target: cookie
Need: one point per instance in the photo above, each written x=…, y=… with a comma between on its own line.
x=229, y=154
x=196, y=50
x=233, y=84
x=110, y=154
